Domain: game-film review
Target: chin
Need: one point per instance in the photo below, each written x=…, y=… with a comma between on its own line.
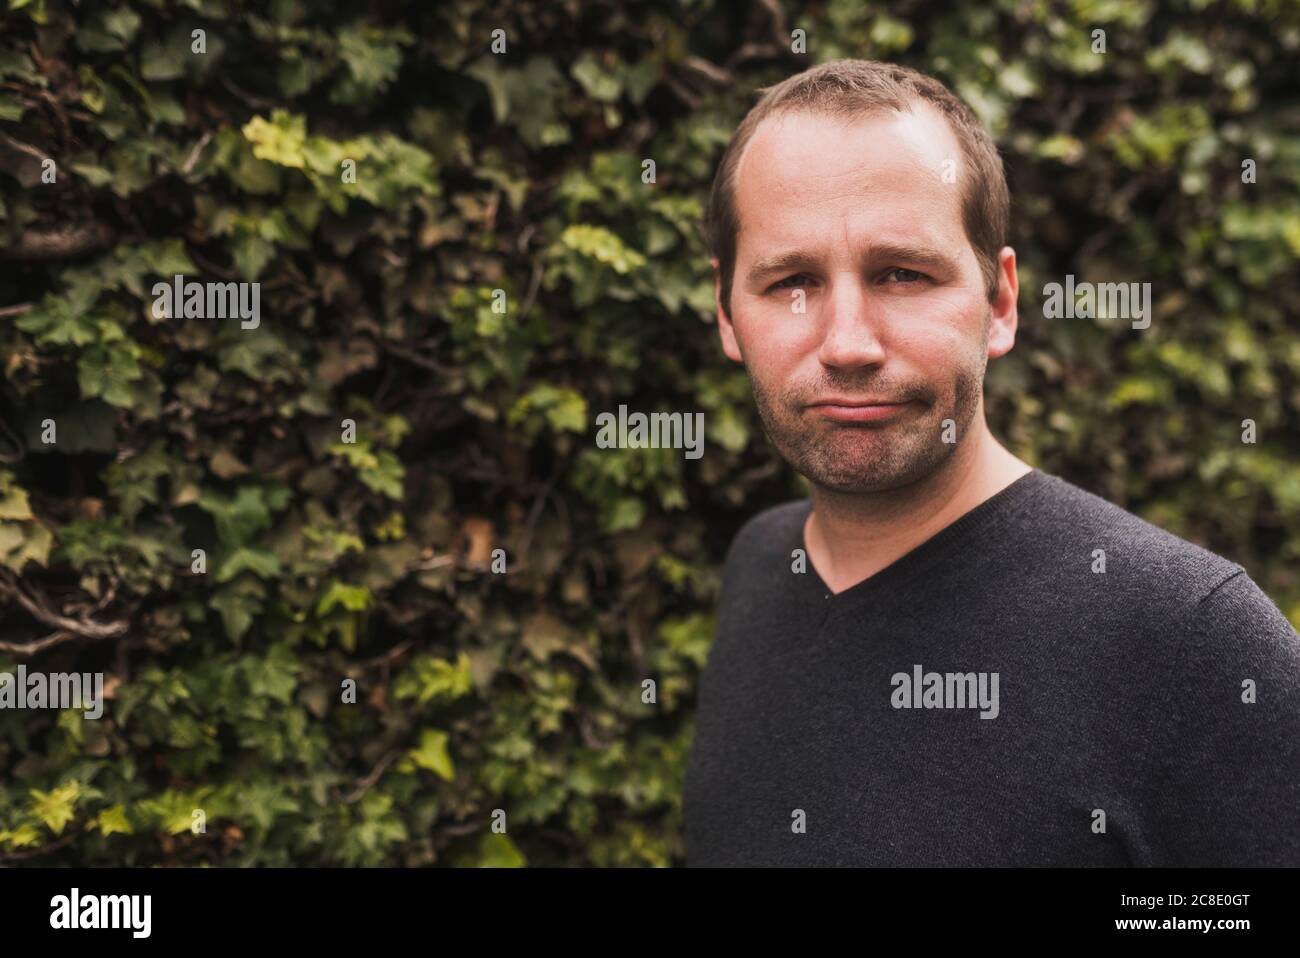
x=858, y=486
x=881, y=471
x=843, y=478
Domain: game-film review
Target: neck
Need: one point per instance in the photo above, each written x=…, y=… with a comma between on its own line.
x=851, y=537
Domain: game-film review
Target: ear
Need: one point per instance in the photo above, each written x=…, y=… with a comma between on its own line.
x=726, y=331
x=1002, y=327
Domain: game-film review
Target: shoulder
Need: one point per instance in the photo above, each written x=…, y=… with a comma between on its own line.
x=761, y=550
x=1224, y=756
x=1193, y=603
x=1237, y=613
x=1235, y=633
x=775, y=530
x=1150, y=560
x=757, y=587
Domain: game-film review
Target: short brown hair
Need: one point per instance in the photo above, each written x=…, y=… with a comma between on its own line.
x=853, y=88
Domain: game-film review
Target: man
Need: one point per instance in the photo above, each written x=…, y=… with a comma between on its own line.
x=948, y=657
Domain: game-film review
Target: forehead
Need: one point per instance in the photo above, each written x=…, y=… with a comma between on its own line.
x=877, y=174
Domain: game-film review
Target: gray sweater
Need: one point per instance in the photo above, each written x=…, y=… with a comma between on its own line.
x=995, y=698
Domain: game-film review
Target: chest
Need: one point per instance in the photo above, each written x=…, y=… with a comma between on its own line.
x=837, y=746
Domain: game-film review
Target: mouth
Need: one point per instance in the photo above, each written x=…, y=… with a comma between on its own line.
x=858, y=410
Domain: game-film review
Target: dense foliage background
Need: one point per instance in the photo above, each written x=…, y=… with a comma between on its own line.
x=522, y=172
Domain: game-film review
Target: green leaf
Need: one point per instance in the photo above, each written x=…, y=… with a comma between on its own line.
x=431, y=678
x=728, y=430
x=353, y=598
x=279, y=140
x=21, y=543
x=13, y=498
x=24, y=836
x=626, y=513
x=134, y=481
x=564, y=409
x=112, y=820
x=107, y=372
x=602, y=245
x=56, y=807
x=373, y=58
x=261, y=563
x=496, y=850
x=432, y=754
x=598, y=83
x=56, y=321
x=238, y=603
x=165, y=58
x=238, y=517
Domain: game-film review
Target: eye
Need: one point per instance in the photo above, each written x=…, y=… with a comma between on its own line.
x=796, y=278
x=906, y=276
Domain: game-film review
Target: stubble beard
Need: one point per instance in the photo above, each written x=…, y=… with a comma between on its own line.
x=876, y=457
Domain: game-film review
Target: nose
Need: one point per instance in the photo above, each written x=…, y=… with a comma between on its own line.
x=850, y=326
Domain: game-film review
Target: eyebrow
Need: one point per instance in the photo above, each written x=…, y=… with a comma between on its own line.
x=897, y=252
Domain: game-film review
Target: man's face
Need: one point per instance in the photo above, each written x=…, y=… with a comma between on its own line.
x=856, y=223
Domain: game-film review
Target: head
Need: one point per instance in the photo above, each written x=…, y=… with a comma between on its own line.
x=857, y=226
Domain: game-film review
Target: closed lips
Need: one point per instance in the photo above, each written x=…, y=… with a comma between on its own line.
x=859, y=402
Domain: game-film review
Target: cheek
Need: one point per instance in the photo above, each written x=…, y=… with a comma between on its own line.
x=939, y=331
x=939, y=355
x=772, y=334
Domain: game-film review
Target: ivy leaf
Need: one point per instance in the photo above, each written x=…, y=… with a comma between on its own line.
x=602, y=245
x=239, y=517
x=24, y=836
x=261, y=563
x=564, y=409
x=107, y=372
x=279, y=140
x=528, y=97
x=381, y=471
x=373, y=58
x=112, y=820
x=56, y=807
x=598, y=83
x=56, y=321
x=353, y=598
x=496, y=850
x=626, y=513
x=431, y=678
x=108, y=31
x=13, y=499
x=21, y=543
x=164, y=58
x=173, y=811
x=432, y=754
x=166, y=258
x=238, y=603
x=134, y=481
x=728, y=430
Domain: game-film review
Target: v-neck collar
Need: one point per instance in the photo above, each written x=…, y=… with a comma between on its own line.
x=925, y=552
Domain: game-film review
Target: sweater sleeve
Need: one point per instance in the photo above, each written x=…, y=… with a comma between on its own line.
x=1225, y=764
